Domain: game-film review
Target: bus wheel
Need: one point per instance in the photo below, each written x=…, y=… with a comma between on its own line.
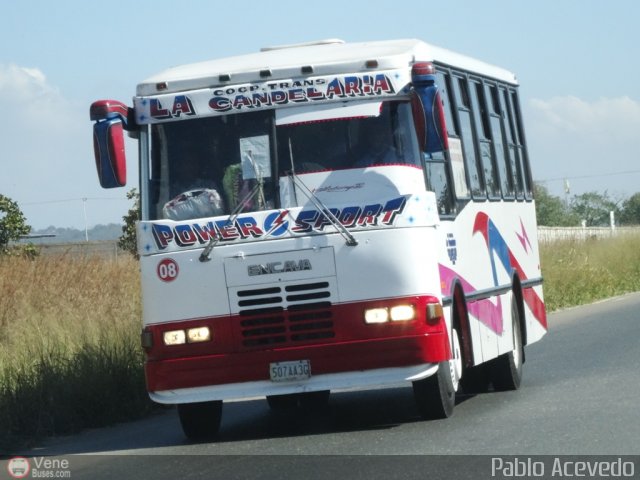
x=436, y=395
x=476, y=379
x=200, y=421
x=507, y=368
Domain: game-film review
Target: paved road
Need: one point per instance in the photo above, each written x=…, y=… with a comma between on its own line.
x=579, y=396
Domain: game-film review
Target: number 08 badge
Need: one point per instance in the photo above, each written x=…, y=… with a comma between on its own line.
x=167, y=270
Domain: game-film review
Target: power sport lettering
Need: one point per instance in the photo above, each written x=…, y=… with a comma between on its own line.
x=275, y=224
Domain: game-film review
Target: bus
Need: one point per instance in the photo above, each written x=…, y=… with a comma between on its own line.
x=329, y=216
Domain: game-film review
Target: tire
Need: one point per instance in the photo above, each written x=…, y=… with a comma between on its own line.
x=282, y=403
x=200, y=421
x=506, y=371
x=436, y=395
x=476, y=379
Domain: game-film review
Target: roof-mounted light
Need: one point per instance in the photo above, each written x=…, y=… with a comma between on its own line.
x=306, y=70
x=371, y=64
x=423, y=68
x=265, y=73
x=161, y=86
x=224, y=77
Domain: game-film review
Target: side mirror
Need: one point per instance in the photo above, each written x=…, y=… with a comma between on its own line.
x=108, y=142
x=428, y=111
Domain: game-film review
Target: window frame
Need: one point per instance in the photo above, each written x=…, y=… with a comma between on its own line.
x=518, y=184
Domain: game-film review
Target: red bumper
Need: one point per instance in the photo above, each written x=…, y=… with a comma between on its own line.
x=334, y=338
x=221, y=369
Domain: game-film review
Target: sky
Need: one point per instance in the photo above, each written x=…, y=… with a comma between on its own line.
x=576, y=61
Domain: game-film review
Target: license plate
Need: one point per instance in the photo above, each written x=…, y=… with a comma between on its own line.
x=290, y=371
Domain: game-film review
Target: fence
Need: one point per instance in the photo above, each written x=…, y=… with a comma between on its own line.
x=105, y=249
x=552, y=234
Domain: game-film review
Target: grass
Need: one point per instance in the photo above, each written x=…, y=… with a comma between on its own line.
x=69, y=331
x=69, y=346
x=581, y=272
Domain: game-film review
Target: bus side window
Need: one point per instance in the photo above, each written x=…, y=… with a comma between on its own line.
x=466, y=133
x=435, y=173
x=524, y=161
x=483, y=134
x=498, y=135
x=444, y=86
x=516, y=166
x=435, y=163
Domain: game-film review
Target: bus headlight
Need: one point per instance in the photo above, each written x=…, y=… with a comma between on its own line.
x=376, y=315
x=192, y=335
x=402, y=313
x=174, y=337
x=398, y=313
x=201, y=334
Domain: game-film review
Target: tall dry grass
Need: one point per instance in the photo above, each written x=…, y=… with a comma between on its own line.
x=581, y=272
x=70, y=353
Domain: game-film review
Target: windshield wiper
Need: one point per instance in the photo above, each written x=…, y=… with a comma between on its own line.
x=323, y=209
x=258, y=188
x=205, y=256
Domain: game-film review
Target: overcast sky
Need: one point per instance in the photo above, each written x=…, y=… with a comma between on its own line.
x=576, y=61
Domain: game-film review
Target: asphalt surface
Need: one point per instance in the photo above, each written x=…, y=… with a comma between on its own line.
x=579, y=396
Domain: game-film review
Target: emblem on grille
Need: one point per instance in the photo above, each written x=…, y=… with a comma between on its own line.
x=279, y=267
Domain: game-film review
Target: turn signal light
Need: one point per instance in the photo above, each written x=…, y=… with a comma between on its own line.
x=434, y=313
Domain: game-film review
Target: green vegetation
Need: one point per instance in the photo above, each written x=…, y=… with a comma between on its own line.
x=69, y=331
x=13, y=226
x=577, y=273
x=69, y=345
x=128, y=239
x=592, y=208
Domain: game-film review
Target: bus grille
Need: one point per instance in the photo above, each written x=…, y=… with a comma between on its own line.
x=276, y=316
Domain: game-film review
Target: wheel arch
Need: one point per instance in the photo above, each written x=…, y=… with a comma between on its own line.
x=460, y=321
x=519, y=299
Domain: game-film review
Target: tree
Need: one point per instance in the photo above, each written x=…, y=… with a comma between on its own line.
x=12, y=226
x=551, y=211
x=594, y=208
x=630, y=210
x=128, y=240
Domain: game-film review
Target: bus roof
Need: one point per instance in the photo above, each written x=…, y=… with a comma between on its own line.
x=325, y=57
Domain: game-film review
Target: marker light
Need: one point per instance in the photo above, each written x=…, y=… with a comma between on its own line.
x=434, y=313
x=376, y=315
x=174, y=337
x=423, y=68
x=146, y=339
x=201, y=334
x=402, y=313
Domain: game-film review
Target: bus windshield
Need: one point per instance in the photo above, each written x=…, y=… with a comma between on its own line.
x=220, y=165
x=340, y=143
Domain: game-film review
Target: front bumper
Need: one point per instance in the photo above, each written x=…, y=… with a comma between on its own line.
x=336, y=366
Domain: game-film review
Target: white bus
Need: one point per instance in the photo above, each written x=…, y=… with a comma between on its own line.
x=329, y=216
